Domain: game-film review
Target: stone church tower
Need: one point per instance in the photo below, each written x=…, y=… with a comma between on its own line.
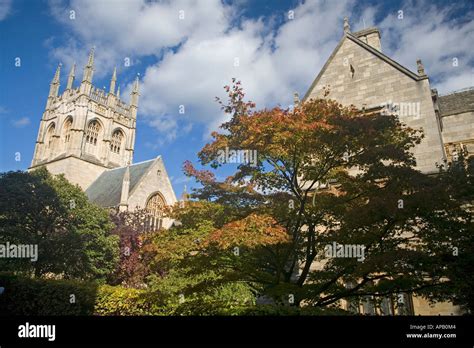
x=88, y=135
x=85, y=131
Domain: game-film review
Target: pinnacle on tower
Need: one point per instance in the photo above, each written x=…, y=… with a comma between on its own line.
x=125, y=189
x=56, y=74
x=347, y=27
x=90, y=62
x=135, y=93
x=89, y=68
x=421, y=68
x=72, y=75
x=185, y=195
x=135, y=86
x=54, y=87
x=126, y=176
x=118, y=92
x=113, y=81
x=296, y=99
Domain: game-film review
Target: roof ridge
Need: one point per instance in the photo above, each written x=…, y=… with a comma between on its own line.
x=465, y=89
x=366, y=31
x=386, y=58
x=132, y=164
x=152, y=159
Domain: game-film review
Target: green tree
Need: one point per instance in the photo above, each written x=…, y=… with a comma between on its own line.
x=458, y=180
x=71, y=233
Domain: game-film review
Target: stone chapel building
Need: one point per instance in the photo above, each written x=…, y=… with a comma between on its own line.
x=358, y=73
x=89, y=136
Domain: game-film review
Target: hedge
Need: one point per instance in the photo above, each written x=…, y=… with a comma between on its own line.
x=26, y=296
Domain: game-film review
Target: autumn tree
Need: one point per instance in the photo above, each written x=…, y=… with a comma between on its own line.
x=327, y=175
x=193, y=263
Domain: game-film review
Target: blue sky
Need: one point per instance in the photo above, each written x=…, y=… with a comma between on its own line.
x=186, y=61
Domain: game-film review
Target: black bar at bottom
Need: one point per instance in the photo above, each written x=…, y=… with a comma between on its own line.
x=290, y=331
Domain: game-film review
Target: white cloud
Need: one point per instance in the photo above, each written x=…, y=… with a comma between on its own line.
x=195, y=56
x=21, y=122
x=131, y=29
x=5, y=8
x=180, y=180
x=427, y=32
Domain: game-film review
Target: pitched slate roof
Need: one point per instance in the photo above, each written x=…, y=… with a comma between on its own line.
x=457, y=102
x=107, y=188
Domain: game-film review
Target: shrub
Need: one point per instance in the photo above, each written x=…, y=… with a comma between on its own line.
x=115, y=300
x=26, y=296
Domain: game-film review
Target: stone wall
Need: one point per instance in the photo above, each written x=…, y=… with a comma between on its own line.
x=459, y=128
x=77, y=171
x=156, y=180
x=423, y=307
x=359, y=77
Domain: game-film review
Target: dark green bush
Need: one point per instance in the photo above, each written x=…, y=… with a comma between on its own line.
x=26, y=296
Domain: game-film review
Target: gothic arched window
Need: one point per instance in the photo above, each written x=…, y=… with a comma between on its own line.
x=67, y=130
x=93, y=132
x=50, y=134
x=155, y=205
x=116, y=142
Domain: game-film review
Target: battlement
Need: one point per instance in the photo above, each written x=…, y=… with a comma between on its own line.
x=110, y=99
x=98, y=95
